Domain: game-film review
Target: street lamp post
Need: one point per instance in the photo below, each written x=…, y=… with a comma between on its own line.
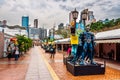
x=75, y=16
x=84, y=16
x=28, y=30
x=53, y=32
x=73, y=30
x=20, y=32
x=3, y=30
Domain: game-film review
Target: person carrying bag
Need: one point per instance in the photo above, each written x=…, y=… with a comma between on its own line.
x=9, y=52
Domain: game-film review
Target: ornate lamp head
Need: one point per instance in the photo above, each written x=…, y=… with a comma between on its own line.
x=75, y=14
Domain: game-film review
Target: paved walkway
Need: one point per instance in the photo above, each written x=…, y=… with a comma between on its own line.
x=14, y=70
x=112, y=70
x=110, y=63
x=30, y=66
x=37, y=65
x=37, y=69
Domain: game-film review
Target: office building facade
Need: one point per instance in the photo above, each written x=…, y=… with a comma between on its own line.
x=36, y=23
x=25, y=21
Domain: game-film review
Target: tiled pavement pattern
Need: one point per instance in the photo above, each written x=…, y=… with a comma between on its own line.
x=37, y=69
x=112, y=64
x=112, y=69
x=12, y=70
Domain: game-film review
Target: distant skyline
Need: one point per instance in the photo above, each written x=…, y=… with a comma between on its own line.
x=50, y=12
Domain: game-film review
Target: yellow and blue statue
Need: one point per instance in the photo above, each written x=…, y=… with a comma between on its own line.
x=84, y=49
x=88, y=46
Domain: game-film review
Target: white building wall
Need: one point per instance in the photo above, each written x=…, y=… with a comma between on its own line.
x=15, y=31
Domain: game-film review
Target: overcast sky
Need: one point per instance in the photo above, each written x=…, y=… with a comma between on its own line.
x=50, y=12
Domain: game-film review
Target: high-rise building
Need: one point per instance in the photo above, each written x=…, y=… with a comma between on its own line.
x=70, y=17
x=42, y=33
x=90, y=15
x=0, y=23
x=91, y=18
x=4, y=22
x=25, y=21
x=36, y=23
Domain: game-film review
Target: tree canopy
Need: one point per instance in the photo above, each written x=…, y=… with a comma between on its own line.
x=105, y=25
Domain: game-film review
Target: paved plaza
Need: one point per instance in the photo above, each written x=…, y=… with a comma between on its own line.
x=37, y=65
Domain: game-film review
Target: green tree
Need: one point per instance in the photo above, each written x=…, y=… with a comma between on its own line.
x=117, y=21
x=64, y=32
x=24, y=43
x=106, y=25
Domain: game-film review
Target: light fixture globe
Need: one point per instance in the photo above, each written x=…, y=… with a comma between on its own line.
x=75, y=14
x=84, y=14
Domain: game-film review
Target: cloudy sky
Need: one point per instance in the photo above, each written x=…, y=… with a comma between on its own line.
x=50, y=12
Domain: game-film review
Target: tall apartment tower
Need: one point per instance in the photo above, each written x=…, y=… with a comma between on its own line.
x=36, y=23
x=25, y=21
x=70, y=17
x=4, y=22
x=90, y=15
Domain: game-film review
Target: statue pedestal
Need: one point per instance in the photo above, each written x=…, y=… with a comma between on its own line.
x=85, y=69
x=65, y=60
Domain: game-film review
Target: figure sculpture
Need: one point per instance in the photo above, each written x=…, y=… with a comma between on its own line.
x=84, y=49
x=88, y=46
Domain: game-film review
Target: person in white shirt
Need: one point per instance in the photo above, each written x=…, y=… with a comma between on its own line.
x=16, y=53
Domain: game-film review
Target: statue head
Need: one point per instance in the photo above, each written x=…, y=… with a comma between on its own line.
x=88, y=28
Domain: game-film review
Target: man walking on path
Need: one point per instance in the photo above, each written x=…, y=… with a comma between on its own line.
x=9, y=52
x=52, y=51
x=16, y=53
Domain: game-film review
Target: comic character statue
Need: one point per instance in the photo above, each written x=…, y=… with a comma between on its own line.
x=74, y=52
x=78, y=48
x=88, y=46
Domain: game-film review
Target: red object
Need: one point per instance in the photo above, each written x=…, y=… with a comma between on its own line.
x=69, y=51
x=13, y=39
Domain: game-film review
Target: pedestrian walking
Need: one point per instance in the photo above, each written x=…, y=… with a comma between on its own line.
x=9, y=52
x=13, y=50
x=69, y=51
x=16, y=53
x=52, y=51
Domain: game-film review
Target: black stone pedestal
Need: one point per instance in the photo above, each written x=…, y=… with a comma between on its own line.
x=85, y=69
x=65, y=60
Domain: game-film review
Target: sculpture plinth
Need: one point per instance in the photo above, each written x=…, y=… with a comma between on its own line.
x=81, y=70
